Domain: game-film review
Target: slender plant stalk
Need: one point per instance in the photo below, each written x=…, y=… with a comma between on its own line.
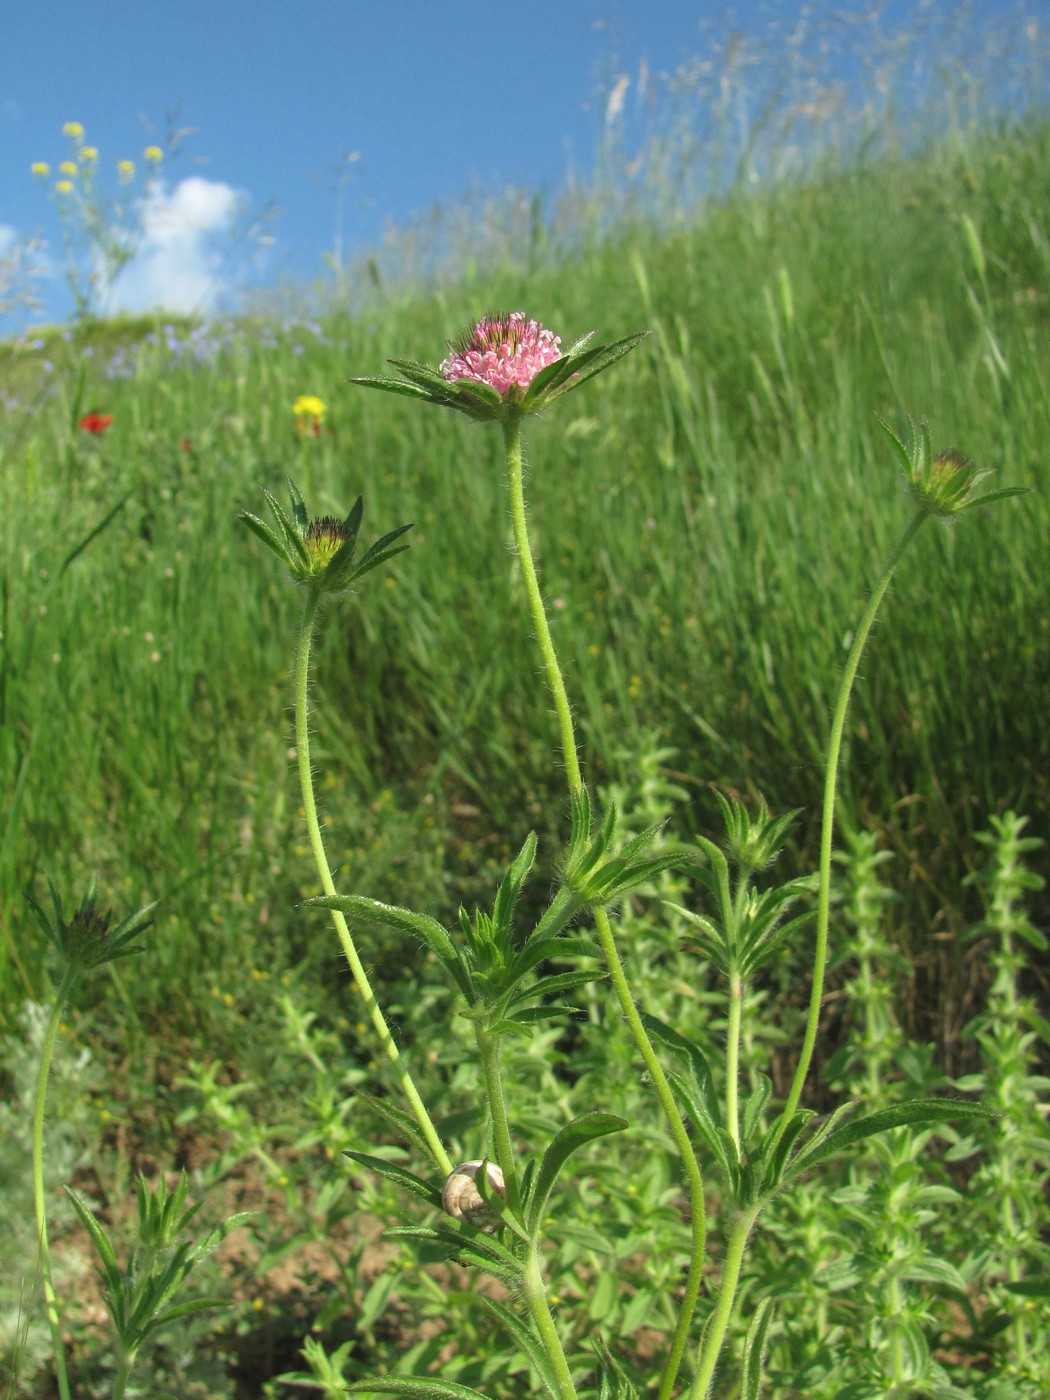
x=536, y=1298
x=120, y=1381
x=533, y=1283
x=736, y=1003
x=838, y=724
x=512, y=442
x=39, y=1198
x=742, y=1226
x=488, y=1051
x=735, y=1245
x=364, y=987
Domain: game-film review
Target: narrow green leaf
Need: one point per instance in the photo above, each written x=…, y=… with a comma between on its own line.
x=706, y=1127
x=292, y=537
x=565, y=1142
x=260, y=528
x=407, y=1180
x=467, y=1246
x=352, y=523
x=179, y=1310
x=422, y=1388
x=300, y=514
x=541, y=949
x=553, y=985
x=433, y=934
x=99, y=1238
x=896, y=1116
x=398, y=1119
x=510, y=885
x=386, y=540
x=900, y=451
x=754, y=1351
x=1029, y=1287
x=527, y=1343
x=1000, y=495
x=391, y=386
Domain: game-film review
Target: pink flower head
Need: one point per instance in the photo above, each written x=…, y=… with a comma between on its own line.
x=502, y=350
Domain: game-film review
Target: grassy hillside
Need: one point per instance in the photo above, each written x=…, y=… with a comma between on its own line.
x=708, y=517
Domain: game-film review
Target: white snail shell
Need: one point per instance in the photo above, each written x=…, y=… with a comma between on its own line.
x=461, y=1198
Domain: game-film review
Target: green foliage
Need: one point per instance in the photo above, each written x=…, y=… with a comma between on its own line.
x=706, y=523
x=139, y=1298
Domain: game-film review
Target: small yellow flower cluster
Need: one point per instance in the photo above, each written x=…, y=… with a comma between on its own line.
x=87, y=158
x=309, y=413
x=309, y=406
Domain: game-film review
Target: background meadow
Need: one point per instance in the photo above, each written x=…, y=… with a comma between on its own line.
x=708, y=518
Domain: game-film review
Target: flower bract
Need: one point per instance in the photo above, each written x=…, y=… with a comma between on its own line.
x=945, y=484
x=503, y=368
x=320, y=552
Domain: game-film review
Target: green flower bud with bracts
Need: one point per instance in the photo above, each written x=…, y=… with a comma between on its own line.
x=504, y=367
x=88, y=937
x=321, y=552
x=945, y=484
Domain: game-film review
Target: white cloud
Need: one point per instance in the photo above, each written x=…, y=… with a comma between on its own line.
x=178, y=263
x=8, y=237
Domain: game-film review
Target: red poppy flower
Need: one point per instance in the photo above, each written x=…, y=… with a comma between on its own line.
x=95, y=422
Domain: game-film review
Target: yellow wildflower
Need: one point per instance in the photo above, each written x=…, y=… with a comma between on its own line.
x=68, y=167
x=309, y=406
x=63, y=187
x=89, y=153
x=73, y=129
x=153, y=154
x=125, y=171
x=41, y=168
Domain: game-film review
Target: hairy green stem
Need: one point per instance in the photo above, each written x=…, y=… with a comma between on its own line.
x=120, y=1381
x=39, y=1197
x=712, y=1347
x=539, y=1309
x=512, y=442
x=838, y=724
x=736, y=1002
x=488, y=1050
x=617, y=975
x=364, y=987
x=532, y=1275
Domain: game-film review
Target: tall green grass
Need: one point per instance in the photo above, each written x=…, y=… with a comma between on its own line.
x=707, y=522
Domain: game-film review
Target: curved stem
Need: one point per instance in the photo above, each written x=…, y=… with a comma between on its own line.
x=733, y=1018
x=617, y=975
x=838, y=724
x=539, y=1309
x=716, y=1332
x=120, y=1381
x=691, y=1166
x=364, y=987
x=533, y=1284
x=488, y=1050
x=512, y=442
x=39, y=1197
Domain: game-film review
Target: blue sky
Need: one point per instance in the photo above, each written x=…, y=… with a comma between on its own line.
x=415, y=102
